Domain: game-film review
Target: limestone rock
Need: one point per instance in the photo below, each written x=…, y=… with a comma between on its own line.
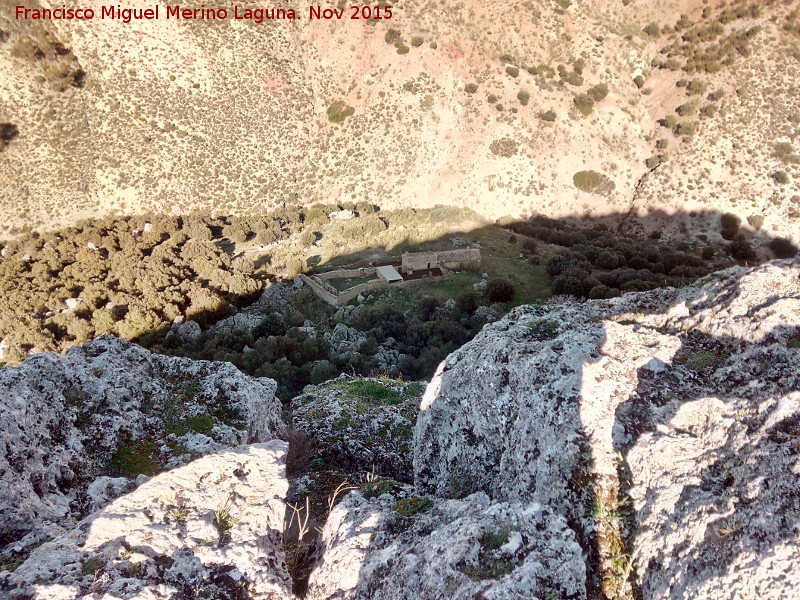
x=112, y=408
x=210, y=529
x=361, y=424
x=666, y=420
x=459, y=549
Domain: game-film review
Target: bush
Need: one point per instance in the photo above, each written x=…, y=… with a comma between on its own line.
x=756, y=221
x=529, y=247
x=639, y=81
x=591, y=181
x=523, y=97
x=729, y=221
x=598, y=92
x=572, y=78
x=708, y=252
x=392, y=36
x=338, y=111
x=685, y=128
x=653, y=30
x=780, y=177
x=741, y=248
x=584, y=103
x=500, y=289
x=8, y=131
x=783, y=247
x=513, y=71
x=471, y=88
x=467, y=302
x=548, y=116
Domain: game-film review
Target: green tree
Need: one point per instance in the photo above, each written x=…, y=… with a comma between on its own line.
x=500, y=289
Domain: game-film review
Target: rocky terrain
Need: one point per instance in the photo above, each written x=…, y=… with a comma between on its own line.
x=553, y=106
x=639, y=447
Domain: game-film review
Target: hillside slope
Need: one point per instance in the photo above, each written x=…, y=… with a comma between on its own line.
x=458, y=104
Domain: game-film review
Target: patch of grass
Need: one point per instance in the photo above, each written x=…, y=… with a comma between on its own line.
x=199, y=424
x=373, y=390
x=544, y=329
x=134, y=458
x=224, y=522
x=412, y=506
x=490, y=566
x=91, y=566
x=377, y=486
x=702, y=361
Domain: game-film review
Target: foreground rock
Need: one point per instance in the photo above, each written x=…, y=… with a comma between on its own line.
x=460, y=549
x=211, y=529
x=663, y=426
x=361, y=425
x=81, y=426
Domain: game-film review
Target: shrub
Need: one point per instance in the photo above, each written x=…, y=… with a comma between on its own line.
x=392, y=36
x=598, y=92
x=584, y=103
x=783, y=247
x=548, y=116
x=416, y=41
x=741, y=248
x=8, y=131
x=471, y=88
x=687, y=109
x=591, y=181
x=338, y=111
x=523, y=97
x=500, y=289
x=639, y=81
x=653, y=30
x=402, y=48
x=685, y=128
x=708, y=252
x=655, y=160
x=780, y=177
x=756, y=221
x=467, y=302
x=512, y=70
x=572, y=78
x=729, y=221
x=529, y=246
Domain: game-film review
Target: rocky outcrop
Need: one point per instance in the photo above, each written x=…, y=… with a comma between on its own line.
x=361, y=425
x=211, y=529
x=642, y=447
x=81, y=426
x=662, y=425
x=473, y=548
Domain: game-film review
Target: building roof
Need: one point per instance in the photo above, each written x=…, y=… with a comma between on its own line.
x=389, y=273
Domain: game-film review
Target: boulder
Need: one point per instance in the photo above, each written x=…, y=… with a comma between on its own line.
x=361, y=425
x=112, y=409
x=210, y=529
x=389, y=549
x=663, y=426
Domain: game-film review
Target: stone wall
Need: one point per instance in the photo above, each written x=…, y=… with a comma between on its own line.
x=347, y=273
